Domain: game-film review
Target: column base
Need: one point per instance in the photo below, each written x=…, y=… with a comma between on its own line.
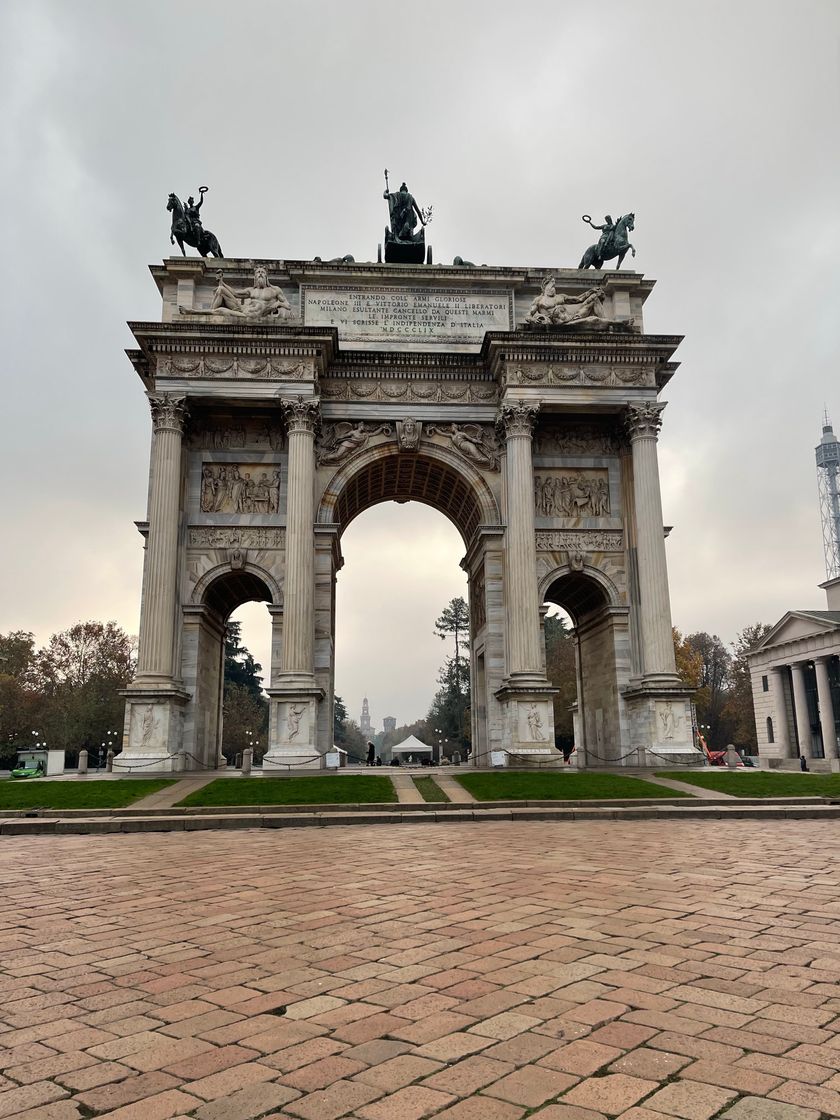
x=293, y=727
x=659, y=710
x=153, y=729
x=528, y=722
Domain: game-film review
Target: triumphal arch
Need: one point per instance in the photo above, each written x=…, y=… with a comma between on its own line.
x=287, y=397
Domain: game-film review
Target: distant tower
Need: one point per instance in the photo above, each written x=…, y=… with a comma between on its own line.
x=390, y=724
x=364, y=722
x=828, y=480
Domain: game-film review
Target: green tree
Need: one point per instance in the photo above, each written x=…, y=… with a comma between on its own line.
x=78, y=676
x=738, y=709
x=346, y=733
x=449, y=713
x=689, y=661
x=713, y=688
x=245, y=706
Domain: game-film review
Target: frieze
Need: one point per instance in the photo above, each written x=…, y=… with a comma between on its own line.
x=576, y=439
x=239, y=488
x=580, y=540
x=236, y=435
x=207, y=536
x=418, y=392
x=478, y=603
x=233, y=367
x=572, y=494
x=476, y=442
x=607, y=376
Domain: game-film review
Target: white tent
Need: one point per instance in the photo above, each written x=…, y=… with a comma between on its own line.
x=411, y=745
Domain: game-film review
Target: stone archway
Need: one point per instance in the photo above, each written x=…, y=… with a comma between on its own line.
x=600, y=635
x=437, y=478
x=216, y=595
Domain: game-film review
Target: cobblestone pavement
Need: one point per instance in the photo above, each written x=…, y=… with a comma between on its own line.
x=563, y=971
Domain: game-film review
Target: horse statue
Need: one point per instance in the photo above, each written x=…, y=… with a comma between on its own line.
x=188, y=228
x=613, y=242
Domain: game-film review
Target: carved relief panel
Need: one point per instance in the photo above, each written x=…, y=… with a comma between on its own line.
x=563, y=440
x=533, y=722
x=239, y=488
x=572, y=493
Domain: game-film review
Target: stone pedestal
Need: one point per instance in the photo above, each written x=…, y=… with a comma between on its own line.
x=660, y=727
x=293, y=730
x=153, y=730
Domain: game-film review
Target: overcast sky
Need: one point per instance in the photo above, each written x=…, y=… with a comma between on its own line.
x=716, y=122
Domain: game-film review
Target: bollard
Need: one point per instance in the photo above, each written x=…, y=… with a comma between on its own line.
x=246, y=761
x=83, y=755
x=109, y=762
x=733, y=759
x=179, y=762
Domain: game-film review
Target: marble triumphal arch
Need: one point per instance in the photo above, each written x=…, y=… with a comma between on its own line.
x=289, y=396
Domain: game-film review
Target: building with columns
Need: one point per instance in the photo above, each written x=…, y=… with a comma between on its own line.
x=795, y=669
x=288, y=397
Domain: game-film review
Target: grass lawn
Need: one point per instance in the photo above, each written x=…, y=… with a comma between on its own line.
x=548, y=786
x=760, y=783
x=329, y=790
x=430, y=790
x=38, y=793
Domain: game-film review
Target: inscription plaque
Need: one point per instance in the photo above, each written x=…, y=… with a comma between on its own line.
x=424, y=316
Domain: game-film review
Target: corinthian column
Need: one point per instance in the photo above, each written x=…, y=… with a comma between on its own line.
x=157, y=622
x=643, y=422
x=516, y=421
x=302, y=418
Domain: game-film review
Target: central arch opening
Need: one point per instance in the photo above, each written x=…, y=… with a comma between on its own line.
x=401, y=573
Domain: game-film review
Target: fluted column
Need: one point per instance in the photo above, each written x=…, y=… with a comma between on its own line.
x=643, y=422
x=157, y=624
x=516, y=421
x=829, y=734
x=780, y=721
x=800, y=699
x=302, y=417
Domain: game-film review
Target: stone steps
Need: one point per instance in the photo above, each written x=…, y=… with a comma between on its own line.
x=82, y=823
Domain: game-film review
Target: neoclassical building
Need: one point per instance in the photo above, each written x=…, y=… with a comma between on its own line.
x=795, y=674
x=287, y=397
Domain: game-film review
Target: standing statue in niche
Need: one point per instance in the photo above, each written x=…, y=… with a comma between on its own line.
x=402, y=244
x=187, y=227
x=612, y=242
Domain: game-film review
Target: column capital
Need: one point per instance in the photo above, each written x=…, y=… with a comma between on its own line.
x=168, y=412
x=643, y=420
x=517, y=418
x=301, y=414
x=822, y=658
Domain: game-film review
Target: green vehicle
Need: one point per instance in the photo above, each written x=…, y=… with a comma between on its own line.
x=29, y=771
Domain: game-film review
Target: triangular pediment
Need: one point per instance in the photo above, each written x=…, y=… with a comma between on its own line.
x=797, y=624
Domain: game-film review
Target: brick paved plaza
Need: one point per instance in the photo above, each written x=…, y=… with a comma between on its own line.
x=470, y=972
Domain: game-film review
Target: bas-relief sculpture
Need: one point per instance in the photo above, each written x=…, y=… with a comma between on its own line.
x=580, y=540
x=670, y=722
x=572, y=494
x=476, y=442
x=576, y=439
x=593, y=374
x=186, y=226
x=533, y=717
x=236, y=536
x=552, y=310
x=612, y=243
x=262, y=301
x=478, y=603
x=338, y=441
x=409, y=433
x=239, y=488
x=256, y=369
x=415, y=392
x=233, y=435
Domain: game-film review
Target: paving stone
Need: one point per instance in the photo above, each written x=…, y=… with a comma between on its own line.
x=29, y=1096
x=398, y=1072
x=412, y=1103
x=759, y=1108
x=690, y=1100
x=254, y=1100
x=612, y=1094
x=582, y=1057
x=467, y=1077
x=530, y=1086
x=337, y=1100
